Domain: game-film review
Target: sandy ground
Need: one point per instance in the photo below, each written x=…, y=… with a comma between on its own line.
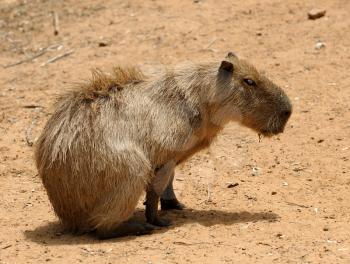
x=296, y=210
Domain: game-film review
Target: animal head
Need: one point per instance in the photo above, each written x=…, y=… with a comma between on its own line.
x=258, y=103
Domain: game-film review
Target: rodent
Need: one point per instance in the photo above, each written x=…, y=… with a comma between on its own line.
x=119, y=135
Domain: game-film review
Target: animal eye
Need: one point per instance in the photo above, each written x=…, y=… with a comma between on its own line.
x=250, y=82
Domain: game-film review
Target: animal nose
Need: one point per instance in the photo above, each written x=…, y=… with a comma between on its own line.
x=286, y=113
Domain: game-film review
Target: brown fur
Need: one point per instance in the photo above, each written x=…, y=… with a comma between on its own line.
x=100, y=149
x=103, y=84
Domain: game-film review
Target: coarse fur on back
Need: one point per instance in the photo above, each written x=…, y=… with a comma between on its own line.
x=102, y=84
x=123, y=133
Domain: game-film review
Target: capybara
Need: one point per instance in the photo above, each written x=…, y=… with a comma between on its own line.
x=121, y=134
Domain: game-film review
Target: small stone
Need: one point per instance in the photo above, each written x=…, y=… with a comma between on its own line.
x=231, y=185
x=325, y=229
x=256, y=171
x=320, y=45
x=316, y=13
x=103, y=44
x=280, y=236
x=273, y=193
x=251, y=197
x=308, y=67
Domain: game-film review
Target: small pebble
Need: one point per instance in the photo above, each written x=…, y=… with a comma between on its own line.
x=256, y=171
x=231, y=185
x=320, y=45
x=273, y=193
x=279, y=235
x=103, y=44
x=316, y=13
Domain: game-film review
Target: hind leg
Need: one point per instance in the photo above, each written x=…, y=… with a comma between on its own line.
x=112, y=219
x=168, y=200
x=121, y=192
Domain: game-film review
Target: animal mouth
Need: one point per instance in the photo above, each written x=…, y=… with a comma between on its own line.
x=271, y=132
x=265, y=133
x=268, y=129
x=273, y=128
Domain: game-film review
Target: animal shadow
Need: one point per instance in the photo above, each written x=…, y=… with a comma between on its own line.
x=52, y=233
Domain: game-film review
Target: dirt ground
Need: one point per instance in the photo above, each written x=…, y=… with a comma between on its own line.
x=291, y=204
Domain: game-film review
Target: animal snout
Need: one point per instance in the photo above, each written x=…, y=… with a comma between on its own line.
x=286, y=109
x=285, y=114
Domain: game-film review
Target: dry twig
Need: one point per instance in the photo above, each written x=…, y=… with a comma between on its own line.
x=299, y=205
x=190, y=244
x=211, y=43
x=55, y=22
x=28, y=135
x=40, y=53
x=208, y=193
x=58, y=57
x=5, y=247
x=30, y=106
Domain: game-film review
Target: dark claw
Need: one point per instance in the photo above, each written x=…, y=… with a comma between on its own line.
x=162, y=222
x=172, y=204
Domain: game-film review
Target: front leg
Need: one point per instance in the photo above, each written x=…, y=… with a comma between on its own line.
x=168, y=200
x=152, y=200
x=157, y=186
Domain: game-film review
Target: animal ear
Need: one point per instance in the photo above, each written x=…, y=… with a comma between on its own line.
x=226, y=66
x=231, y=55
